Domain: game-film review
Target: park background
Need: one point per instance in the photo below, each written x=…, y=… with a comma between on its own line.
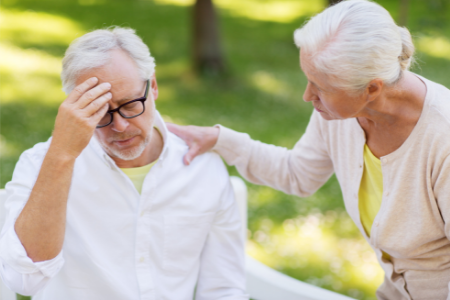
x=259, y=92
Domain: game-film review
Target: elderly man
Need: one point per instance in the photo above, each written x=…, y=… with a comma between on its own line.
x=106, y=209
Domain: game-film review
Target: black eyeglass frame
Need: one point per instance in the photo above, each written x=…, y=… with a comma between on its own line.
x=112, y=111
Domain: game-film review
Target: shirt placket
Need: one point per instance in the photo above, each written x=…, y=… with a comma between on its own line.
x=144, y=238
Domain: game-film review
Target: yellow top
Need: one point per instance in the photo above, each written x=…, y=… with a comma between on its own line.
x=137, y=175
x=371, y=190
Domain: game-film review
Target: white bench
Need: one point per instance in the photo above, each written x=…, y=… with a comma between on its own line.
x=263, y=283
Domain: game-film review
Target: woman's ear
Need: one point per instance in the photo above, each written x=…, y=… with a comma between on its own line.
x=374, y=89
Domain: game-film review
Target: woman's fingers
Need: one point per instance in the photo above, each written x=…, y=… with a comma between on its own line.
x=193, y=151
x=199, y=139
x=180, y=131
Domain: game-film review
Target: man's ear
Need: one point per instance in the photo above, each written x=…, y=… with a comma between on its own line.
x=374, y=89
x=154, y=86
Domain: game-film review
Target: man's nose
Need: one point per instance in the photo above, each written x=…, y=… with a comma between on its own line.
x=119, y=123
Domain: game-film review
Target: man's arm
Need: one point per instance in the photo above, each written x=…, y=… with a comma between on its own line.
x=222, y=265
x=41, y=224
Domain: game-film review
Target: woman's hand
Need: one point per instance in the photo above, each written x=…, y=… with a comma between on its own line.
x=199, y=139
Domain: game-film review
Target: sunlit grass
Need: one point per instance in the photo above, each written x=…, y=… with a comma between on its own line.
x=37, y=28
x=283, y=11
x=273, y=11
x=29, y=74
x=91, y=2
x=306, y=243
x=28, y=61
x=436, y=46
x=176, y=2
x=268, y=83
x=310, y=239
x=6, y=147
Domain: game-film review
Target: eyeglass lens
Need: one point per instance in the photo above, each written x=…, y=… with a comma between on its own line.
x=129, y=110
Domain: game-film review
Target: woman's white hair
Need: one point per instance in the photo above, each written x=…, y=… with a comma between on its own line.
x=354, y=42
x=92, y=50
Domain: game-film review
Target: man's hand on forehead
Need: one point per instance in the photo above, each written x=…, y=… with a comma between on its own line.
x=79, y=115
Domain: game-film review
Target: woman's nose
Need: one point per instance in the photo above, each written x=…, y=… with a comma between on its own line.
x=309, y=95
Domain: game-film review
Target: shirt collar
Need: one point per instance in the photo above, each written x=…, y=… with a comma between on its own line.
x=159, y=123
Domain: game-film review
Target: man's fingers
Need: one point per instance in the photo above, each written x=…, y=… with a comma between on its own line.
x=97, y=104
x=93, y=94
x=98, y=115
x=79, y=90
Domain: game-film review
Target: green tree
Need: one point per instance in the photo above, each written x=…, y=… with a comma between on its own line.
x=403, y=13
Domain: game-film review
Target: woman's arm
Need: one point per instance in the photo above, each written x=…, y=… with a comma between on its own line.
x=300, y=171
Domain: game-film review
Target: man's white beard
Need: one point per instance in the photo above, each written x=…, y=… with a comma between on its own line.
x=128, y=154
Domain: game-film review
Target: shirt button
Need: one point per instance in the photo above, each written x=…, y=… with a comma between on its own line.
x=141, y=259
x=142, y=213
x=376, y=224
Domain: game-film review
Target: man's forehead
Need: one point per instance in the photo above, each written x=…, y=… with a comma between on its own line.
x=119, y=67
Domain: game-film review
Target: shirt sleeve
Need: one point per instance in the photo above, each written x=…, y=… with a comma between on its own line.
x=222, y=262
x=17, y=270
x=300, y=171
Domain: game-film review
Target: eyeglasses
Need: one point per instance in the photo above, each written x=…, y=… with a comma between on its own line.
x=128, y=110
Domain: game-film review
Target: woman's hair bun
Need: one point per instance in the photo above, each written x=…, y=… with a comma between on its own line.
x=407, y=55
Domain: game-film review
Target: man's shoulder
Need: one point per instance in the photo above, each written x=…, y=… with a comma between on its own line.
x=180, y=146
x=38, y=151
x=209, y=162
x=206, y=176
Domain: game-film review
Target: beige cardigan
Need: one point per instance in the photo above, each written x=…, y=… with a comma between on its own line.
x=413, y=224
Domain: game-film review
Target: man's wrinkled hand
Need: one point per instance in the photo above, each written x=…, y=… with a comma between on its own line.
x=78, y=117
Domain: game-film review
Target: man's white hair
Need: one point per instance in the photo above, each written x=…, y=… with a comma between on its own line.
x=92, y=50
x=354, y=42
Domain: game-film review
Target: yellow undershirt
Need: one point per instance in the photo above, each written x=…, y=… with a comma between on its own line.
x=370, y=191
x=137, y=175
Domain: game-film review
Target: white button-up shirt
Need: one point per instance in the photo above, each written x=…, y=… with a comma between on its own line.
x=179, y=239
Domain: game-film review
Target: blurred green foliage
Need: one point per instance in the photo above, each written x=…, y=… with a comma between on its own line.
x=311, y=239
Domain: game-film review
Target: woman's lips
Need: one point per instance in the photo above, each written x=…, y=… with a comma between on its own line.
x=318, y=109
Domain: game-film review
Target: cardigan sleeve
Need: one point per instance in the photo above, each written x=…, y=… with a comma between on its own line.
x=300, y=171
x=442, y=193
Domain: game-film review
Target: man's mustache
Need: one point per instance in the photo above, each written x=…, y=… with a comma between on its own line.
x=123, y=136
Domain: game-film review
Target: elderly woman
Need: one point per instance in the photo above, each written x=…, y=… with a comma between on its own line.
x=383, y=130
